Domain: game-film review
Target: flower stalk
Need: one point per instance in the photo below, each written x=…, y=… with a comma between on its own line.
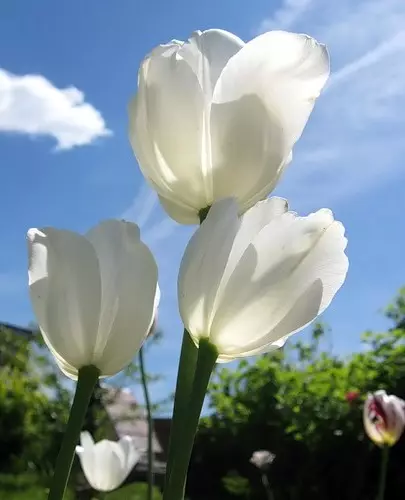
x=191, y=409
x=184, y=385
x=385, y=451
x=150, y=423
x=266, y=486
x=87, y=379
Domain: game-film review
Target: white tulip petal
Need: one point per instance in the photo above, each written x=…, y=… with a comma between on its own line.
x=107, y=468
x=129, y=287
x=131, y=454
x=256, y=219
x=226, y=358
x=181, y=213
x=86, y=440
x=207, y=53
x=168, y=116
x=170, y=113
x=66, y=368
x=286, y=70
x=65, y=292
x=280, y=288
x=203, y=265
x=251, y=223
x=265, y=185
x=300, y=314
x=244, y=136
x=85, y=453
x=261, y=104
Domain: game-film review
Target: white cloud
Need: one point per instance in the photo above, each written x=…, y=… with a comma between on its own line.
x=354, y=140
x=32, y=105
x=287, y=15
x=146, y=211
x=377, y=55
x=142, y=206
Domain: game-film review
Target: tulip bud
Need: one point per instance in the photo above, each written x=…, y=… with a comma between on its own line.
x=262, y=459
x=94, y=296
x=106, y=464
x=216, y=117
x=247, y=283
x=384, y=418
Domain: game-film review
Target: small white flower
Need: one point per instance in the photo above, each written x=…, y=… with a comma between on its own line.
x=215, y=117
x=106, y=464
x=248, y=283
x=262, y=459
x=384, y=418
x=94, y=296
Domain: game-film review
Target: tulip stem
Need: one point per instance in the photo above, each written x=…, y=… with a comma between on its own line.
x=184, y=385
x=383, y=471
x=202, y=214
x=266, y=485
x=87, y=379
x=150, y=424
x=183, y=443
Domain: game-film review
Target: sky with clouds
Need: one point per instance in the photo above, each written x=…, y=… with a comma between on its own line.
x=67, y=71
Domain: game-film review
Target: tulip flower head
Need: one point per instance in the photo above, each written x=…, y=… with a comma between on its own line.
x=384, y=418
x=247, y=283
x=94, y=296
x=216, y=117
x=106, y=464
x=262, y=459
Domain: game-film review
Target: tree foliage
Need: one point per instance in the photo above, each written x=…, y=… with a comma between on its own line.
x=33, y=404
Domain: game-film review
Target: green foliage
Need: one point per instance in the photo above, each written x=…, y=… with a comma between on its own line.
x=236, y=485
x=24, y=487
x=33, y=405
x=294, y=403
x=135, y=491
x=28, y=487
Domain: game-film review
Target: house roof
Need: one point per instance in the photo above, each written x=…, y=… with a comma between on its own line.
x=129, y=418
x=16, y=328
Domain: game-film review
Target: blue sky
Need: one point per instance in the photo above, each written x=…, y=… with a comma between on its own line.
x=77, y=168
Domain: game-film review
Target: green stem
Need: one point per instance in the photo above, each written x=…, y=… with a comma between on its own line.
x=202, y=214
x=87, y=379
x=184, y=385
x=207, y=356
x=150, y=424
x=383, y=471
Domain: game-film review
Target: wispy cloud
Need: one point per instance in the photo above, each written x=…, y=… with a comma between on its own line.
x=32, y=105
x=286, y=16
x=142, y=206
x=146, y=211
x=377, y=55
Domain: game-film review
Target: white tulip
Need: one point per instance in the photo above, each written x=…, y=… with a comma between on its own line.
x=94, y=296
x=247, y=283
x=106, y=464
x=215, y=117
x=262, y=459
